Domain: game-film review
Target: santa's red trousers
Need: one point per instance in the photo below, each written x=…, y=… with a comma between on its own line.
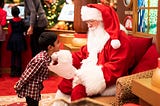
x=77, y=92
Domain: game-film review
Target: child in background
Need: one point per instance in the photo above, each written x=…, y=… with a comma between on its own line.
x=3, y=15
x=30, y=83
x=16, y=42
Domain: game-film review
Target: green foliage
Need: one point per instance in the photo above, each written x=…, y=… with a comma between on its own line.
x=53, y=10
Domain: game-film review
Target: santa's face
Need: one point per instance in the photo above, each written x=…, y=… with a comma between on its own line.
x=97, y=38
x=92, y=24
x=96, y=29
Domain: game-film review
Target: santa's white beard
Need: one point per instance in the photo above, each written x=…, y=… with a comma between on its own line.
x=97, y=38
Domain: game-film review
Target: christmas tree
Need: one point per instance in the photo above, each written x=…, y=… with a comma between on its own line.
x=53, y=10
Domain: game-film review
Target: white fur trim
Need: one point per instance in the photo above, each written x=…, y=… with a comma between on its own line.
x=110, y=91
x=76, y=81
x=92, y=78
x=88, y=13
x=115, y=43
x=60, y=95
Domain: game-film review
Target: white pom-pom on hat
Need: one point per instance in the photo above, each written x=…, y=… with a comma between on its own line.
x=115, y=43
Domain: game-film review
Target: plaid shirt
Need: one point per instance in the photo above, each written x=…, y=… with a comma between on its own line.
x=31, y=81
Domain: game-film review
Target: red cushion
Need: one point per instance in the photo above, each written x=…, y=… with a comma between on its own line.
x=130, y=104
x=77, y=35
x=148, y=61
x=140, y=45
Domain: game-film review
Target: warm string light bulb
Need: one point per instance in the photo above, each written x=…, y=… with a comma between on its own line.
x=16, y=1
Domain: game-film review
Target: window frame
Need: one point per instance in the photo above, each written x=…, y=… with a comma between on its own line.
x=158, y=29
x=135, y=21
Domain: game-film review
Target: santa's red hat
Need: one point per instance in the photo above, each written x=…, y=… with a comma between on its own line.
x=109, y=17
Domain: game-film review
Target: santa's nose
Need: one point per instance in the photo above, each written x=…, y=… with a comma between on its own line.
x=89, y=25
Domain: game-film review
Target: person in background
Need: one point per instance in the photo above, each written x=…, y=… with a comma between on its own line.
x=32, y=7
x=16, y=42
x=30, y=83
x=33, y=10
x=3, y=15
x=106, y=57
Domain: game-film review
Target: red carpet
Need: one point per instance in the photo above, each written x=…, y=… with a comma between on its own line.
x=7, y=83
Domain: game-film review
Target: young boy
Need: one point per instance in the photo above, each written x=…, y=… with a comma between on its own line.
x=30, y=83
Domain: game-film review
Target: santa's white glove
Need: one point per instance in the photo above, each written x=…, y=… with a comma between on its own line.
x=54, y=58
x=64, y=66
x=92, y=78
x=62, y=56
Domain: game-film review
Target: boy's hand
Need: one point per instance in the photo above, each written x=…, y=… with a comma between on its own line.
x=15, y=88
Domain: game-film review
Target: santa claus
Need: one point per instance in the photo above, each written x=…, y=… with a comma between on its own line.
x=98, y=64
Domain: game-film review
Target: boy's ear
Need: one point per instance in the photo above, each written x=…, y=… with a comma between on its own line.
x=50, y=47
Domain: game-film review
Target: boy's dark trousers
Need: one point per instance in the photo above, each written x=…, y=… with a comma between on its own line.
x=31, y=102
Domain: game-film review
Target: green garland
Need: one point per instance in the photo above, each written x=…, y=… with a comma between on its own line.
x=52, y=11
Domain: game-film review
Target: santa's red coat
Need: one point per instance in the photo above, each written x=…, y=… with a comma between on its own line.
x=115, y=63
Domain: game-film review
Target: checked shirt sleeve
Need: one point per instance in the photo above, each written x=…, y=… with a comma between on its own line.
x=30, y=72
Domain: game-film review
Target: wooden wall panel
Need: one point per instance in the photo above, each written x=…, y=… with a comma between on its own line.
x=79, y=25
x=122, y=11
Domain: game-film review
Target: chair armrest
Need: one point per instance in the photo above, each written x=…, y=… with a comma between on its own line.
x=124, y=85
